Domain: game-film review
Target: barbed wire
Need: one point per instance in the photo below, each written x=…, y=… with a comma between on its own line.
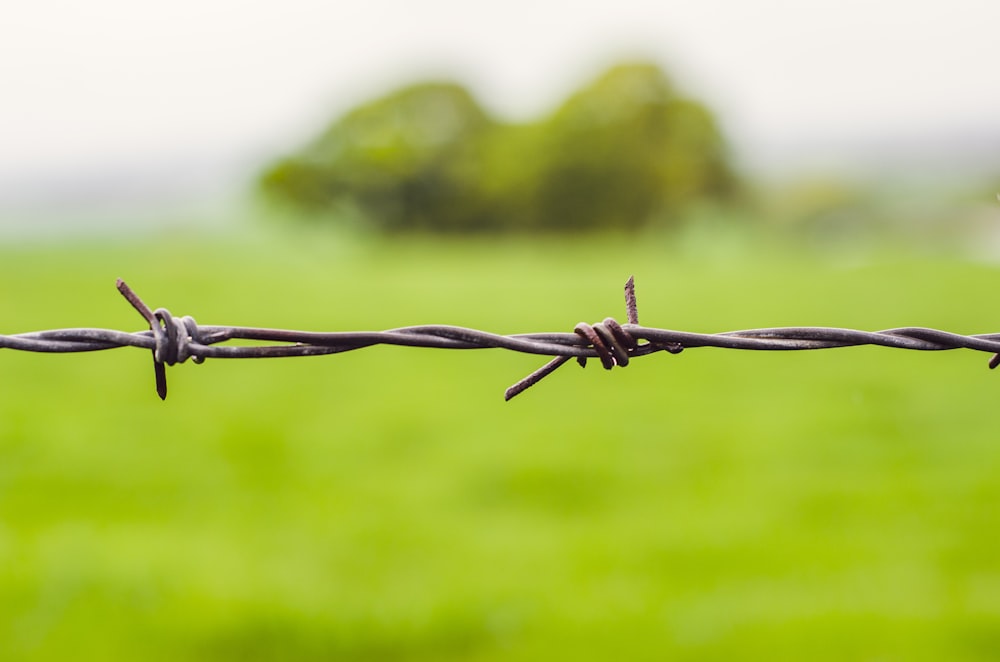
x=174, y=340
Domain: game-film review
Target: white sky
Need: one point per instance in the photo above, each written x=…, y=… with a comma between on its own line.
x=86, y=86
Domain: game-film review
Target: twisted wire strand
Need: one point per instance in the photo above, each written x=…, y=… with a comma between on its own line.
x=174, y=340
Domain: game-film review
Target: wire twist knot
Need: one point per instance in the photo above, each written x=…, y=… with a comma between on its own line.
x=174, y=337
x=611, y=342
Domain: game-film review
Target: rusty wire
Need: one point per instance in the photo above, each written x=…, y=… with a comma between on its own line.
x=176, y=339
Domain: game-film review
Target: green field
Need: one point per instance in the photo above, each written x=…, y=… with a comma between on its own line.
x=386, y=504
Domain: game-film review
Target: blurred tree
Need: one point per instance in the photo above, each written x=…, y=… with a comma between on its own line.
x=627, y=149
x=622, y=152
x=408, y=160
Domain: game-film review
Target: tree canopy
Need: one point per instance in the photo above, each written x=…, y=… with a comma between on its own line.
x=623, y=151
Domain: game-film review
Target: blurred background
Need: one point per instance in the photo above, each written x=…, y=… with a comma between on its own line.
x=332, y=167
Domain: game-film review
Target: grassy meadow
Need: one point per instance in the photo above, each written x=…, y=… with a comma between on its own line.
x=386, y=504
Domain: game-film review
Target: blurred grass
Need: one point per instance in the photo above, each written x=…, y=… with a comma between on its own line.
x=387, y=505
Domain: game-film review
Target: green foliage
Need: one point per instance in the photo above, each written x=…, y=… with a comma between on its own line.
x=404, y=160
x=626, y=150
x=386, y=504
x=621, y=153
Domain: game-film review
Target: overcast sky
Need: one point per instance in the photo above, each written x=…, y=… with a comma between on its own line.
x=104, y=84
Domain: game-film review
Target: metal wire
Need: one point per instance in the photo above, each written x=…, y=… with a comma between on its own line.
x=174, y=340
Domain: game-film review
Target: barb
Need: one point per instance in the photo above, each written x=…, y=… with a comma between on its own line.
x=173, y=340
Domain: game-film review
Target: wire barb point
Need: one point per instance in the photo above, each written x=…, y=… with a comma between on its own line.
x=630, y=304
x=136, y=302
